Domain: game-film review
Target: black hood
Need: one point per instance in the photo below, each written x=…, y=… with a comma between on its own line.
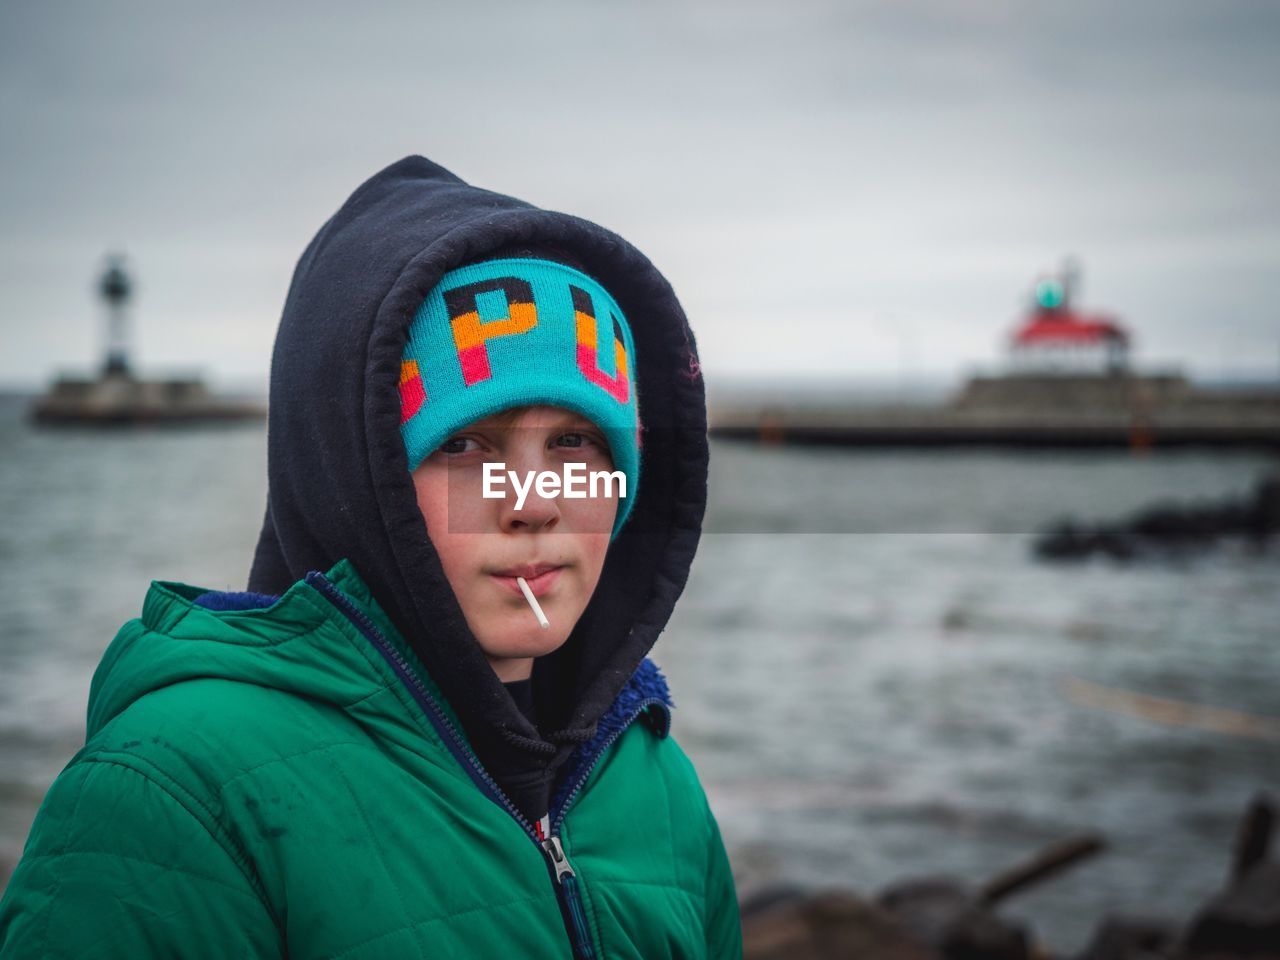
x=339, y=483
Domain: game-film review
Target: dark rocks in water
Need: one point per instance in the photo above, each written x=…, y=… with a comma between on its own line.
x=945, y=915
x=1050, y=861
x=782, y=925
x=1131, y=938
x=767, y=898
x=960, y=921
x=927, y=906
x=1243, y=920
x=1165, y=528
x=941, y=918
x=927, y=918
x=1253, y=841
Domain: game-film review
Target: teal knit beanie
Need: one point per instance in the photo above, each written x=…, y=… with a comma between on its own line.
x=519, y=332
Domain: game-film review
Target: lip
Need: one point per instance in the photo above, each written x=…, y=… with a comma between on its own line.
x=541, y=577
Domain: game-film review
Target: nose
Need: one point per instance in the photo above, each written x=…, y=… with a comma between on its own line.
x=537, y=513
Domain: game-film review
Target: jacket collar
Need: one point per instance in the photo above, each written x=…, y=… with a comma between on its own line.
x=645, y=696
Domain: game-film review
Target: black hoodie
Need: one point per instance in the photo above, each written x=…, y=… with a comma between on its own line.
x=340, y=487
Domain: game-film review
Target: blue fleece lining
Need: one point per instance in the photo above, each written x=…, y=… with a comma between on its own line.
x=234, y=600
x=647, y=683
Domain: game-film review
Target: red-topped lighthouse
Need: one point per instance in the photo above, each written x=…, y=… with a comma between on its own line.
x=1055, y=336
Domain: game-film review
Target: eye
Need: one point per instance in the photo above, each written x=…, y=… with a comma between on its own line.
x=456, y=445
x=575, y=439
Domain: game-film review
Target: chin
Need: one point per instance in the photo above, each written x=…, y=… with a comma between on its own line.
x=534, y=642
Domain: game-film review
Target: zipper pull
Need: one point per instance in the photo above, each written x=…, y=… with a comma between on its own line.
x=551, y=846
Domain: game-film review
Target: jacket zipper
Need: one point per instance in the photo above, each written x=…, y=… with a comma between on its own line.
x=586, y=772
x=547, y=836
x=568, y=881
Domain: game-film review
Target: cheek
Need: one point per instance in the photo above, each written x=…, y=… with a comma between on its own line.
x=591, y=516
x=432, y=487
x=594, y=548
x=444, y=527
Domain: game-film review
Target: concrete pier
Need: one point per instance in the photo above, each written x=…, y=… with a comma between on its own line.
x=119, y=399
x=1028, y=410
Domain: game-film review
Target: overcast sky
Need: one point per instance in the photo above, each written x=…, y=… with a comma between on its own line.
x=834, y=188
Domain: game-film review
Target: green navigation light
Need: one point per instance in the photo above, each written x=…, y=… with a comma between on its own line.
x=1049, y=294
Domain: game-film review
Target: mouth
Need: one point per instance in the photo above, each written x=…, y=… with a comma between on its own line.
x=540, y=577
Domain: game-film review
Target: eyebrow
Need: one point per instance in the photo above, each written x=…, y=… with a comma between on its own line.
x=568, y=419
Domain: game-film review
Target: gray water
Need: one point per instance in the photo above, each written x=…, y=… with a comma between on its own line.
x=874, y=676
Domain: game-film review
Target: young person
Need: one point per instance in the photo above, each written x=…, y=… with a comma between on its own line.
x=380, y=750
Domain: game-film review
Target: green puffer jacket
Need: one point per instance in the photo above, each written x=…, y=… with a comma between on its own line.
x=288, y=781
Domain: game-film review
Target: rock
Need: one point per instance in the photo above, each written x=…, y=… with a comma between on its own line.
x=1169, y=527
x=825, y=926
x=1243, y=920
x=948, y=917
x=1131, y=938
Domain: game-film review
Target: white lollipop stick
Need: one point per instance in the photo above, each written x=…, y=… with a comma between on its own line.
x=543, y=622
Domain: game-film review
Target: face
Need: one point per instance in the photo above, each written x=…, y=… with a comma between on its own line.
x=557, y=544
